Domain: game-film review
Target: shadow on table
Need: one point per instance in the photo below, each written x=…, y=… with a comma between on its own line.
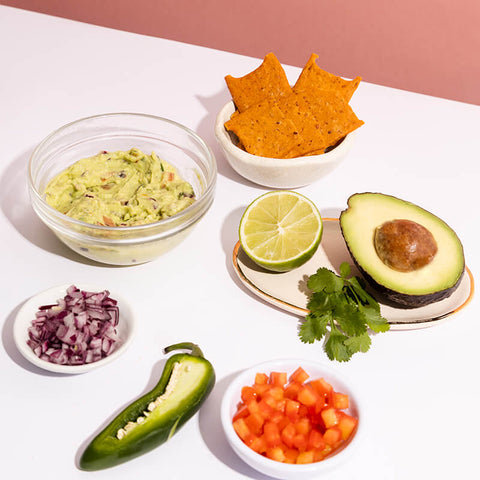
x=214, y=436
x=12, y=351
x=206, y=129
x=15, y=204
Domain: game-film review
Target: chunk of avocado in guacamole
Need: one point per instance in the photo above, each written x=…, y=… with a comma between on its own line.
x=121, y=188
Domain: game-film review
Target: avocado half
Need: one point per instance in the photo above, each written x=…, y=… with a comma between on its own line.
x=431, y=283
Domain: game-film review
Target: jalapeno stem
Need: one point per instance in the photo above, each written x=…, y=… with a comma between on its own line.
x=195, y=350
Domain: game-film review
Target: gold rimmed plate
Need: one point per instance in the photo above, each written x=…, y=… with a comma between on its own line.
x=289, y=291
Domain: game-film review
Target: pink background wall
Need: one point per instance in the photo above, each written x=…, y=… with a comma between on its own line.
x=426, y=46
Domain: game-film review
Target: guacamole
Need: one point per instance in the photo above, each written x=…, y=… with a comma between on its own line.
x=120, y=189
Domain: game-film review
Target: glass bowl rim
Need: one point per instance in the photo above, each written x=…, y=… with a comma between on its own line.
x=58, y=216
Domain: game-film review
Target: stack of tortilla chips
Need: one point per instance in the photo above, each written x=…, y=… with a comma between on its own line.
x=272, y=119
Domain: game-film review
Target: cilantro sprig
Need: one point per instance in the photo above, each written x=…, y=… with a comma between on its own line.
x=341, y=313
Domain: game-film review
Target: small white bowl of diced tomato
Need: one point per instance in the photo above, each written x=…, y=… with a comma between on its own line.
x=292, y=419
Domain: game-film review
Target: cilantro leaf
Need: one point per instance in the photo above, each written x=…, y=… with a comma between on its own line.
x=340, y=313
x=344, y=270
x=374, y=319
x=335, y=347
x=314, y=328
x=360, y=343
x=350, y=319
x=321, y=302
x=359, y=289
x=325, y=280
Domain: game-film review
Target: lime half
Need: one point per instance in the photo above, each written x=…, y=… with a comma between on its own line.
x=280, y=230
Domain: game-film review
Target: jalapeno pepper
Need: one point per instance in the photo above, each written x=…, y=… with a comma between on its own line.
x=186, y=381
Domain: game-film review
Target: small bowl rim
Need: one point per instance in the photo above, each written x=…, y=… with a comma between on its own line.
x=284, y=470
x=210, y=185
x=225, y=141
x=26, y=314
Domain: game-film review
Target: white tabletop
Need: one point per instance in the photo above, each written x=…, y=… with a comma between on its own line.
x=421, y=386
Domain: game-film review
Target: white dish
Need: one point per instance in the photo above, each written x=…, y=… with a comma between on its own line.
x=289, y=292
x=278, y=172
x=279, y=469
x=23, y=320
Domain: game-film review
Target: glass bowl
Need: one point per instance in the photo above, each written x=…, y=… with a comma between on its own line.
x=171, y=141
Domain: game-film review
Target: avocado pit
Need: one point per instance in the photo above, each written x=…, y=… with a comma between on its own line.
x=404, y=245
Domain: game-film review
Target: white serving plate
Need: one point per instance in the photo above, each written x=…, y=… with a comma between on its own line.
x=289, y=292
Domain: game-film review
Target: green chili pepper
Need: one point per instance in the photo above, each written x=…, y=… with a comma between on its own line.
x=186, y=382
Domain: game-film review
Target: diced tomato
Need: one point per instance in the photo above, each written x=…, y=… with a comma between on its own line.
x=261, y=378
x=259, y=445
x=278, y=379
x=306, y=457
x=299, y=376
x=332, y=436
x=253, y=407
x=322, y=387
x=321, y=453
x=292, y=408
x=276, y=453
x=255, y=423
x=248, y=394
x=287, y=434
x=315, y=440
x=346, y=424
x=241, y=428
x=275, y=392
x=270, y=401
x=340, y=401
x=277, y=417
x=307, y=396
x=297, y=422
x=303, y=410
x=243, y=431
x=260, y=389
x=272, y=434
x=303, y=426
x=330, y=417
x=291, y=455
x=265, y=409
x=291, y=390
x=284, y=421
x=300, y=442
x=242, y=411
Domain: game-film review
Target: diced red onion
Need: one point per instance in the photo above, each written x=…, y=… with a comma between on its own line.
x=78, y=329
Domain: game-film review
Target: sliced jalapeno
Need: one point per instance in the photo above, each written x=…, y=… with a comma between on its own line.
x=186, y=382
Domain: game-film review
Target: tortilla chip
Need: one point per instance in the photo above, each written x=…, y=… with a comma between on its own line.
x=264, y=130
x=267, y=81
x=313, y=77
x=301, y=124
x=321, y=120
x=274, y=120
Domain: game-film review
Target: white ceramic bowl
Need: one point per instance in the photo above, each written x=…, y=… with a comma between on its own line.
x=278, y=469
x=277, y=172
x=173, y=142
x=125, y=329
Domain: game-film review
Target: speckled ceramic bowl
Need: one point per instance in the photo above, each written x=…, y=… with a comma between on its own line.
x=278, y=172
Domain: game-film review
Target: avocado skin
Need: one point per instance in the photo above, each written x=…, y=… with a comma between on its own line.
x=392, y=297
x=403, y=300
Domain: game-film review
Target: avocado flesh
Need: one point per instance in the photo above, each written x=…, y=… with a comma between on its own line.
x=431, y=283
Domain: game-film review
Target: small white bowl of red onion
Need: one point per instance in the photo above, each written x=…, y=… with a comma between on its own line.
x=73, y=328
